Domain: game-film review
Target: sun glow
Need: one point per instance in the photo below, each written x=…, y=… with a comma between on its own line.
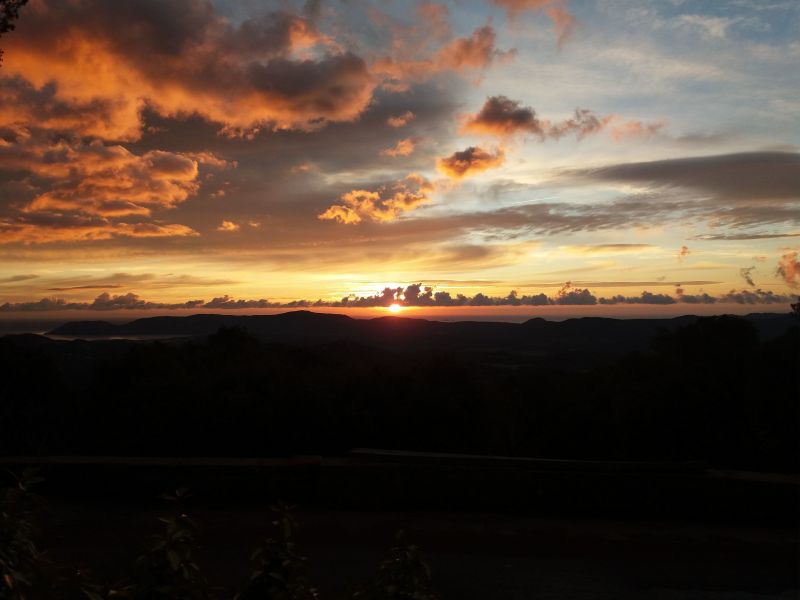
x=395, y=308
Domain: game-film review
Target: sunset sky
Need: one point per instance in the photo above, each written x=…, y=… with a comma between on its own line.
x=161, y=154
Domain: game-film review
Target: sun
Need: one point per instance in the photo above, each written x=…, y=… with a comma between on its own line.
x=395, y=308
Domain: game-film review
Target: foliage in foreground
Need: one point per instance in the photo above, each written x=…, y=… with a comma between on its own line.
x=402, y=576
x=20, y=558
x=279, y=569
x=168, y=570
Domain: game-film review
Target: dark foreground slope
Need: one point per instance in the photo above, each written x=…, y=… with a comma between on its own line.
x=708, y=389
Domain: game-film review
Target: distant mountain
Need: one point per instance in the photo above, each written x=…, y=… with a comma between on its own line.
x=534, y=337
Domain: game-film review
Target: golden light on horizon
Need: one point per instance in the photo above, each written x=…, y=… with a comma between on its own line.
x=395, y=308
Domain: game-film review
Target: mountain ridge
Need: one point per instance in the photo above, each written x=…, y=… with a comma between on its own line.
x=585, y=334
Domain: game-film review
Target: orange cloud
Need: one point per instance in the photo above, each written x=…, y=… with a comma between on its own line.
x=96, y=188
x=101, y=179
x=515, y=7
x=789, y=269
x=628, y=129
x=563, y=20
x=402, y=148
x=54, y=227
x=609, y=248
x=400, y=120
x=386, y=204
x=134, y=185
x=228, y=226
x=435, y=15
x=76, y=64
x=474, y=52
x=469, y=162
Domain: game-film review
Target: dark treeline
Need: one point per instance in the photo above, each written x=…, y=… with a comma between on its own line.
x=709, y=391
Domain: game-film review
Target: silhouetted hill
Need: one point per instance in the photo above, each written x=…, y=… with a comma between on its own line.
x=536, y=336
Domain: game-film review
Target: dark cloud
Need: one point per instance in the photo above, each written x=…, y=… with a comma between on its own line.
x=469, y=162
x=130, y=301
x=419, y=295
x=505, y=117
x=226, y=302
x=550, y=218
x=732, y=177
x=755, y=297
x=500, y=116
x=103, y=302
x=644, y=298
x=736, y=191
x=584, y=122
x=737, y=297
x=701, y=298
x=44, y=304
x=574, y=297
x=415, y=294
x=746, y=273
x=745, y=236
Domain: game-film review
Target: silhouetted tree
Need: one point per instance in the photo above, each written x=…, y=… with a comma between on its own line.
x=9, y=12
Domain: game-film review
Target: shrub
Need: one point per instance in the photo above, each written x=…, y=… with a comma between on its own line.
x=279, y=570
x=402, y=576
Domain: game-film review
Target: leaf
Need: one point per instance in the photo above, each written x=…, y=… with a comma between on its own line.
x=91, y=594
x=174, y=559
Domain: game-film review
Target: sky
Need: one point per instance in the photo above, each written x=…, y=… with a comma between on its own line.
x=578, y=155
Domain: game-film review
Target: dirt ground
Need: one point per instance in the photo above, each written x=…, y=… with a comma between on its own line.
x=472, y=556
